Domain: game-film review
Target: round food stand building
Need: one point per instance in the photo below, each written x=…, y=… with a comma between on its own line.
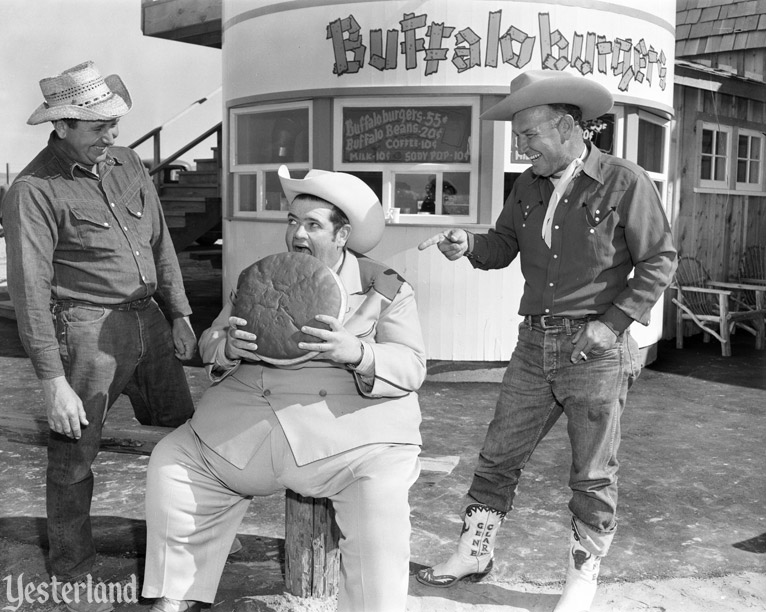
x=391, y=91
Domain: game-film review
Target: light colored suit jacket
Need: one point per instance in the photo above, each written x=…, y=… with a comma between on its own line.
x=323, y=407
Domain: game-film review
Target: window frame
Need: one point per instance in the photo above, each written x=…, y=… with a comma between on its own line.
x=259, y=170
x=391, y=170
x=747, y=186
x=712, y=184
x=660, y=177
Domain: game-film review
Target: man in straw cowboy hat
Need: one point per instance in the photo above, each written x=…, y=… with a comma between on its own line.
x=344, y=425
x=88, y=249
x=596, y=254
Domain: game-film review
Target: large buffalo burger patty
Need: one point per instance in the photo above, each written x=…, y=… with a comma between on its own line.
x=281, y=293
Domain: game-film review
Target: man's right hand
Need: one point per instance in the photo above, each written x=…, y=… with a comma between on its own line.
x=453, y=244
x=239, y=343
x=66, y=414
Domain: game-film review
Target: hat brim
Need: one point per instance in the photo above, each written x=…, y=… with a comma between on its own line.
x=113, y=107
x=592, y=98
x=349, y=193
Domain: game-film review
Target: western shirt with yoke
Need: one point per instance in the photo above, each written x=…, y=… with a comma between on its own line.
x=609, y=223
x=95, y=238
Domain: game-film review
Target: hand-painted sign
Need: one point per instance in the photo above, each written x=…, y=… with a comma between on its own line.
x=405, y=134
x=588, y=53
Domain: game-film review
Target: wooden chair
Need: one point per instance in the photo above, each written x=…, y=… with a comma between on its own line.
x=717, y=308
x=752, y=271
x=752, y=266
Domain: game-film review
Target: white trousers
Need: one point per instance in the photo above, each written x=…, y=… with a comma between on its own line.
x=195, y=501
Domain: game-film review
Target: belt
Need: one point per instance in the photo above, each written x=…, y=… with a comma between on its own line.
x=140, y=304
x=557, y=322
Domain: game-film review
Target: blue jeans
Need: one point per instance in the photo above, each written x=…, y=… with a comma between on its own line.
x=541, y=384
x=105, y=352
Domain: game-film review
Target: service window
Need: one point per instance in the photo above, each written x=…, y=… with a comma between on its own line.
x=654, y=149
x=263, y=138
x=422, y=155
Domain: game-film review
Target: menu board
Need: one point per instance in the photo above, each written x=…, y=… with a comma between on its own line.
x=407, y=134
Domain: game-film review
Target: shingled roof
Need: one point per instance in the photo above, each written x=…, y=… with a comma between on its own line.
x=713, y=26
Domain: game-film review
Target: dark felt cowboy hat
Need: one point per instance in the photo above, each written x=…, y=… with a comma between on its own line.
x=539, y=87
x=82, y=93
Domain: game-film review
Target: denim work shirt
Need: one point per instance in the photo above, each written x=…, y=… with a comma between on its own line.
x=608, y=224
x=75, y=235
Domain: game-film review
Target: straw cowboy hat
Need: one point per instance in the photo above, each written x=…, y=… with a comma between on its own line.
x=538, y=87
x=82, y=93
x=347, y=192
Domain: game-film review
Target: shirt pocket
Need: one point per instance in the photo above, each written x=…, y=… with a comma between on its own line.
x=92, y=228
x=138, y=218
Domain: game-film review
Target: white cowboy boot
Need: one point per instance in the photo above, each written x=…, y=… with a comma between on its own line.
x=473, y=559
x=582, y=576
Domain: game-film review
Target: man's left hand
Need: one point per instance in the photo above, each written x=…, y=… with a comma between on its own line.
x=338, y=344
x=595, y=336
x=184, y=340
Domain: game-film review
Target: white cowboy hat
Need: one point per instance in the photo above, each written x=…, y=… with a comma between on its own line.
x=347, y=192
x=82, y=93
x=539, y=87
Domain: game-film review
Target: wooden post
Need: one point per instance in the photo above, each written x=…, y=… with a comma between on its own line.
x=312, y=557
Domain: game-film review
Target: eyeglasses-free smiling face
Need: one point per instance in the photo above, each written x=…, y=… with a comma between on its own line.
x=87, y=143
x=541, y=138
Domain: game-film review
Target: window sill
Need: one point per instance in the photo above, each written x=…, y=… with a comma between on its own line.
x=738, y=192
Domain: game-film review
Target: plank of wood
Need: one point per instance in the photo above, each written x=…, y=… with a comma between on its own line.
x=134, y=440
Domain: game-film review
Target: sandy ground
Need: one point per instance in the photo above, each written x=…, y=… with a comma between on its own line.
x=707, y=553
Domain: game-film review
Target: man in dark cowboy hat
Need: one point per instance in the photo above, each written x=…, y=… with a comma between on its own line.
x=88, y=249
x=582, y=222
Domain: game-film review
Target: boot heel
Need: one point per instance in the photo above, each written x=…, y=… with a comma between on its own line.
x=479, y=576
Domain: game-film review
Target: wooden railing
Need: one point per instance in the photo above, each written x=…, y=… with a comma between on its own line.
x=157, y=166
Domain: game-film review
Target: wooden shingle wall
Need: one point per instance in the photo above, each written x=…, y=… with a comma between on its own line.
x=727, y=34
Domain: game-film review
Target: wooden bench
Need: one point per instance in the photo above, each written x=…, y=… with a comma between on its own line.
x=312, y=556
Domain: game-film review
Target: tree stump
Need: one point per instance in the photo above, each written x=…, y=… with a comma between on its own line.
x=312, y=556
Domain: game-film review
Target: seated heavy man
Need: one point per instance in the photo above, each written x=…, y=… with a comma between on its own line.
x=344, y=425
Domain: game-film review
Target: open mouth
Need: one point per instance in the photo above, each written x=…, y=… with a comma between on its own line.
x=533, y=157
x=297, y=248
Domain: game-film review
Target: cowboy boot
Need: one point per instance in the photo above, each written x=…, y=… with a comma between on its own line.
x=473, y=559
x=582, y=575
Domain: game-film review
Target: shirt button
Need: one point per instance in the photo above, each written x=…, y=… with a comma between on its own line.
x=566, y=200
x=598, y=212
x=106, y=225
x=136, y=252
x=592, y=231
x=125, y=228
x=138, y=214
x=111, y=204
x=523, y=225
x=555, y=256
x=556, y=227
x=550, y=284
x=266, y=393
x=322, y=392
x=547, y=310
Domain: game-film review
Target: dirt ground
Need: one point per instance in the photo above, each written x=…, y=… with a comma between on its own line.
x=692, y=534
